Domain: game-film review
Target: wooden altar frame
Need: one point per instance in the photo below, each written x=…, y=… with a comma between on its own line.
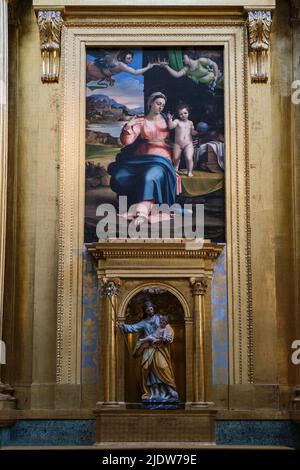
x=111, y=29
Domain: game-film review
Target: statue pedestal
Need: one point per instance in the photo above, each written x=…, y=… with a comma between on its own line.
x=172, y=429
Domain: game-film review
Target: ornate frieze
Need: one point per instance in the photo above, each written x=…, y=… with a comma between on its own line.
x=50, y=24
x=259, y=29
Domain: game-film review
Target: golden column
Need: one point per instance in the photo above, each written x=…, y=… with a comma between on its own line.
x=201, y=342
x=108, y=289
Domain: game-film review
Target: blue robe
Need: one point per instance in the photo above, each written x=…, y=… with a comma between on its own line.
x=147, y=325
x=143, y=178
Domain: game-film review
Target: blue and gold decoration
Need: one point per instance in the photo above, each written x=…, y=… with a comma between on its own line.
x=90, y=336
x=219, y=321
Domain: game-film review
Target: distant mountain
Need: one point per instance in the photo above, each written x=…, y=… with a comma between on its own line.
x=136, y=111
x=98, y=98
x=110, y=101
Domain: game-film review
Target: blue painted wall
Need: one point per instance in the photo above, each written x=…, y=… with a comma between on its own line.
x=90, y=336
x=220, y=322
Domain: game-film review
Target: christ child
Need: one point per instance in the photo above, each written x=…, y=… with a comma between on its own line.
x=160, y=334
x=184, y=132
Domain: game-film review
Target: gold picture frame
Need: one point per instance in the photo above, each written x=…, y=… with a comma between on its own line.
x=108, y=30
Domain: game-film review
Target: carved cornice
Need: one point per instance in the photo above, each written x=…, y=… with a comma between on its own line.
x=199, y=286
x=98, y=251
x=259, y=29
x=50, y=24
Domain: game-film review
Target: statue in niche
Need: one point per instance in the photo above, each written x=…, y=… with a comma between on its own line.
x=159, y=388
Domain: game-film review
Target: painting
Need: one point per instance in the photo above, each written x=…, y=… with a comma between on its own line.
x=155, y=136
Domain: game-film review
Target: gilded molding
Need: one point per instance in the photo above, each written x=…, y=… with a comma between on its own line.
x=199, y=286
x=169, y=287
x=123, y=23
x=259, y=29
x=249, y=308
x=102, y=253
x=104, y=31
x=50, y=24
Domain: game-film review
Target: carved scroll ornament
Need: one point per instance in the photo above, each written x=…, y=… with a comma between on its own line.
x=50, y=24
x=259, y=29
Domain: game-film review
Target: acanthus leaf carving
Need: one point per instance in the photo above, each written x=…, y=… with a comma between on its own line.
x=259, y=29
x=50, y=25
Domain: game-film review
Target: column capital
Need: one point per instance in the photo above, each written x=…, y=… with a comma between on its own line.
x=108, y=287
x=199, y=285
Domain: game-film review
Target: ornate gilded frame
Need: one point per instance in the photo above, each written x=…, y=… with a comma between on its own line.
x=110, y=30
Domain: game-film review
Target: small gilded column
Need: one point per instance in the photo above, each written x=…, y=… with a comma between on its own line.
x=199, y=289
x=108, y=352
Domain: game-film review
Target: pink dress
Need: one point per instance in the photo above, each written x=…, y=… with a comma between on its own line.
x=153, y=135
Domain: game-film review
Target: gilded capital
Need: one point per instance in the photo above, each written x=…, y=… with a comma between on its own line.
x=199, y=285
x=259, y=29
x=50, y=24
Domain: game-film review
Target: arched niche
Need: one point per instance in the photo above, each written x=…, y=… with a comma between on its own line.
x=167, y=303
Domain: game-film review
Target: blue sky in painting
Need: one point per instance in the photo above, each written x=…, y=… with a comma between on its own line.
x=128, y=89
